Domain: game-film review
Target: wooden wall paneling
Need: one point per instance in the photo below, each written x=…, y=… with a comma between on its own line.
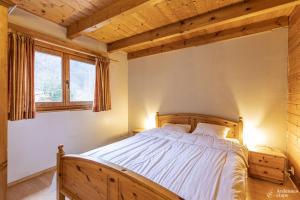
x=221, y=16
x=293, y=120
x=213, y=37
x=3, y=96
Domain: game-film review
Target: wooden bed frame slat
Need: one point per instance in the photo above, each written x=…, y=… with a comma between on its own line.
x=85, y=178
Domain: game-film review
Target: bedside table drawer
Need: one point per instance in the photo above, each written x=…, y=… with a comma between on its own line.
x=266, y=172
x=267, y=160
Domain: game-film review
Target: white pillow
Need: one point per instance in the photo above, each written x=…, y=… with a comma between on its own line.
x=234, y=140
x=184, y=128
x=211, y=130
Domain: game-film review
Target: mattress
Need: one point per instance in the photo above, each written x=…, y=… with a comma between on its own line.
x=195, y=167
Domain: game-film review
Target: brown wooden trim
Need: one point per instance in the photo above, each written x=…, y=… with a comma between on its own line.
x=213, y=37
x=51, y=169
x=81, y=103
x=40, y=105
x=45, y=45
x=229, y=14
x=102, y=16
x=48, y=51
x=82, y=59
x=48, y=105
x=76, y=103
x=3, y=100
x=66, y=80
x=293, y=118
x=59, y=171
x=64, y=108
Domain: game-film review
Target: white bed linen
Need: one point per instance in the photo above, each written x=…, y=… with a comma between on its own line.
x=195, y=167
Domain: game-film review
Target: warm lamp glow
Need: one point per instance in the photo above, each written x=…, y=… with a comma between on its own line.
x=253, y=136
x=150, y=122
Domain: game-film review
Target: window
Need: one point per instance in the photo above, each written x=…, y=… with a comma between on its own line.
x=63, y=79
x=82, y=81
x=48, y=77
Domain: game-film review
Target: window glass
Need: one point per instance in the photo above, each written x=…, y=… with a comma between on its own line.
x=82, y=81
x=48, y=77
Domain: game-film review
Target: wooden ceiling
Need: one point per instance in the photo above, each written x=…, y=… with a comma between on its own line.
x=63, y=12
x=145, y=27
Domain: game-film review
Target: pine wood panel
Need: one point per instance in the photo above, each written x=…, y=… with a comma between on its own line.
x=213, y=37
x=293, y=119
x=267, y=173
x=63, y=12
x=148, y=16
x=267, y=160
x=3, y=99
x=104, y=15
x=293, y=143
x=220, y=16
x=154, y=15
x=242, y=22
x=293, y=129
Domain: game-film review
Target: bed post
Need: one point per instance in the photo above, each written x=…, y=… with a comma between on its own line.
x=156, y=119
x=240, y=131
x=59, y=155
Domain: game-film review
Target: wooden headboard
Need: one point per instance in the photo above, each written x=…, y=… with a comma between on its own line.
x=236, y=127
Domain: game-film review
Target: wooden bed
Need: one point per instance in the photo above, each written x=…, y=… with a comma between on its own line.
x=84, y=178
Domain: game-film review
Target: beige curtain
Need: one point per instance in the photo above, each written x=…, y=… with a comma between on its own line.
x=20, y=77
x=102, y=98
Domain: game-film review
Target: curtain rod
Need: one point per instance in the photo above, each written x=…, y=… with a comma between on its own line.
x=64, y=47
x=57, y=41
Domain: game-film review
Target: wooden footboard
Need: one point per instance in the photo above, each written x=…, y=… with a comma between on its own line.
x=84, y=178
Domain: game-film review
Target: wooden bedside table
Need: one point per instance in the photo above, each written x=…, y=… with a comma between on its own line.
x=267, y=164
x=137, y=130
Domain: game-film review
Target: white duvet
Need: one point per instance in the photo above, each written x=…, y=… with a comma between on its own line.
x=194, y=167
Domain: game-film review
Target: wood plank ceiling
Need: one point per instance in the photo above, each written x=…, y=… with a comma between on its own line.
x=145, y=27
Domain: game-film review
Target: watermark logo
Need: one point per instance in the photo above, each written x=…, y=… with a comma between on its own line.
x=281, y=193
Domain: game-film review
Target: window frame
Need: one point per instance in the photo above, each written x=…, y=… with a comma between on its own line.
x=76, y=58
x=66, y=55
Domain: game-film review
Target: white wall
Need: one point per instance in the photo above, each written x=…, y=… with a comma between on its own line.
x=32, y=144
x=241, y=77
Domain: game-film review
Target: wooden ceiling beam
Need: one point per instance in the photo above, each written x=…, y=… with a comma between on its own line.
x=94, y=21
x=217, y=17
x=214, y=37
